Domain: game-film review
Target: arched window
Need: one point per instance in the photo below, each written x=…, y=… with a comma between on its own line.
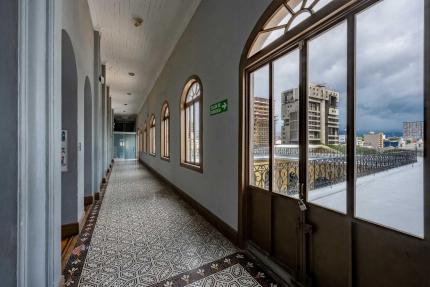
x=165, y=131
x=191, y=124
x=145, y=138
x=152, y=135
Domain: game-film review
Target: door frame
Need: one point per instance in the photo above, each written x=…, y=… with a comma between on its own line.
x=335, y=12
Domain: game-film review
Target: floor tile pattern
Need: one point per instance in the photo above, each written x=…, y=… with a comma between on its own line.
x=73, y=269
x=234, y=270
x=140, y=233
x=146, y=234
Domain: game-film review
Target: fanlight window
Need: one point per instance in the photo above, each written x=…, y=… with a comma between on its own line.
x=289, y=15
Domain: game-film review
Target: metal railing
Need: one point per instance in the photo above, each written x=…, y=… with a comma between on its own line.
x=326, y=169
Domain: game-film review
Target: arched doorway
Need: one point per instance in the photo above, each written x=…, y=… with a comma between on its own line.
x=88, y=143
x=321, y=194
x=69, y=109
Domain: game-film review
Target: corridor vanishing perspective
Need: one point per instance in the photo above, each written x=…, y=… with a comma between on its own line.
x=146, y=235
x=215, y=143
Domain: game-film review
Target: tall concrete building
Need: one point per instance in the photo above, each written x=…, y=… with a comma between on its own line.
x=261, y=122
x=323, y=119
x=375, y=140
x=413, y=130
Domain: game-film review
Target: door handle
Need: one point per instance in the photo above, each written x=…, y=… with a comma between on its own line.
x=302, y=205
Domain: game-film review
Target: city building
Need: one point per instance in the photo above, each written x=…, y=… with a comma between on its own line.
x=413, y=130
x=359, y=141
x=261, y=122
x=323, y=119
x=393, y=143
x=374, y=140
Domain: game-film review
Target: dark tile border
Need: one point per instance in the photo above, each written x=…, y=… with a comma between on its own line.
x=212, y=268
x=73, y=269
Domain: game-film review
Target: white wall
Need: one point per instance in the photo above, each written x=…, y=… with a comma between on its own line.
x=211, y=48
x=77, y=23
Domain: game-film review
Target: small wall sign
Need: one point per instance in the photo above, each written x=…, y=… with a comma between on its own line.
x=219, y=107
x=64, y=166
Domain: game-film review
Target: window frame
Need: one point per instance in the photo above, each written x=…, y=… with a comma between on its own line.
x=152, y=146
x=183, y=106
x=165, y=152
x=328, y=17
x=145, y=138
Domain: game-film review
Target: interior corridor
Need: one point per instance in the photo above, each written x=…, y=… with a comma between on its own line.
x=146, y=235
x=215, y=143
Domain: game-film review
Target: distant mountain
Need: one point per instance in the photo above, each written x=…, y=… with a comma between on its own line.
x=387, y=133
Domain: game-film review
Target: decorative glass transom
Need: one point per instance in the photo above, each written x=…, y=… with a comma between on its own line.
x=289, y=15
x=193, y=92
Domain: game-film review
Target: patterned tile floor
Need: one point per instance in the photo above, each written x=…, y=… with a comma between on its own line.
x=145, y=235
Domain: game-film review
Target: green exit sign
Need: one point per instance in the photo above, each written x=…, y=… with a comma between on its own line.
x=219, y=107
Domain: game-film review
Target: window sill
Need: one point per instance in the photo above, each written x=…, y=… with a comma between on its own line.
x=153, y=154
x=197, y=168
x=165, y=158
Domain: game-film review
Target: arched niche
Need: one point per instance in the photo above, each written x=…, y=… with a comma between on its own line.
x=69, y=121
x=88, y=142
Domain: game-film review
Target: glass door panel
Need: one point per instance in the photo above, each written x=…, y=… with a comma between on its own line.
x=259, y=132
x=327, y=81
x=286, y=124
x=390, y=115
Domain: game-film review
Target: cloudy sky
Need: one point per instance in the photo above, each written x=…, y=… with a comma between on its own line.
x=389, y=66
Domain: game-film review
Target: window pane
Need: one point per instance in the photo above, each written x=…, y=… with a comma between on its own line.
x=286, y=124
x=259, y=128
x=299, y=19
x=197, y=132
x=320, y=4
x=187, y=135
x=389, y=188
x=327, y=119
x=192, y=135
x=167, y=138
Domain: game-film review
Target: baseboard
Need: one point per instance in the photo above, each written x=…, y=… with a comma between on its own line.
x=61, y=283
x=82, y=220
x=88, y=200
x=69, y=230
x=224, y=228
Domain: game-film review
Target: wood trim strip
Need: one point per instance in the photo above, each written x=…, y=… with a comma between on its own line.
x=69, y=230
x=88, y=200
x=222, y=227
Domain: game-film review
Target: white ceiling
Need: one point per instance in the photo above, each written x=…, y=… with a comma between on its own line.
x=143, y=50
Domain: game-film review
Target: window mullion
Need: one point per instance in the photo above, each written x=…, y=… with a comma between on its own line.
x=303, y=121
x=351, y=110
x=271, y=133
x=194, y=133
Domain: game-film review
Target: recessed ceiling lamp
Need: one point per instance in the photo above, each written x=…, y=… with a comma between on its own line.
x=131, y=74
x=128, y=94
x=137, y=21
x=125, y=104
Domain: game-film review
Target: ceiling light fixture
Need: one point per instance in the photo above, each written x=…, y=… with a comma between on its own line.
x=129, y=94
x=131, y=74
x=125, y=104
